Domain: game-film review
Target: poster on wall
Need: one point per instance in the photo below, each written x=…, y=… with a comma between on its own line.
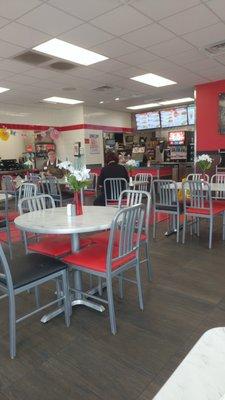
x=222, y=113
x=94, y=143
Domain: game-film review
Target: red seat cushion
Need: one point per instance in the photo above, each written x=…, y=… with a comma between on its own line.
x=55, y=246
x=217, y=208
x=103, y=237
x=94, y=258
x=12, y=215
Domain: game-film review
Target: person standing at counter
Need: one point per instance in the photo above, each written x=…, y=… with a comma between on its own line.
x=50, y=165
x=112, y=170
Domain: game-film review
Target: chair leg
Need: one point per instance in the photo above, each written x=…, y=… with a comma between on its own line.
x=12, y=326
x=58, y=291
x=198, y=227
x=210, y=232
x=9, y=240
x=184, y=229
x=178, y=227
x=37, y=296
x=138, y=278
x=121, y=286
x=100, y=286
x=67, y=303
x=223, y=225
x=154, y=224
x=112, y=316
x=148, y=260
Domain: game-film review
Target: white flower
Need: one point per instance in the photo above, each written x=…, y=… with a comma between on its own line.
x=204, y=157
x=81, y=174
x=65, y=165
x=131, y=163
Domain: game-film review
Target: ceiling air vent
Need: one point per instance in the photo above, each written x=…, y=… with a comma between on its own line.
x=103, y=88
x=32, y=58
x=216, y=49
x=62, y=66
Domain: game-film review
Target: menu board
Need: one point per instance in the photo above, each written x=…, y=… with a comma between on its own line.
x=191, y=114
x=177, y=137
x=174, y=117
x=148, y=120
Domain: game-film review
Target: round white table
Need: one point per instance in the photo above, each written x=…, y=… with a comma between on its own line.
x=2, y=197
x=56, y=221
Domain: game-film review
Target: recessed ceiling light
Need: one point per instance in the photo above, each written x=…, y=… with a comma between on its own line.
x=3, y=89
x=67, y=51
x=62, y=100
x=175, y=101
x=153, y=80
x=117, y=99
x=101, y=102
x=142, y=106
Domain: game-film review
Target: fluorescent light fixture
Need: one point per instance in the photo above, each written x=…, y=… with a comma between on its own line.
x=142, y=106
x=63, y=100
x=101, y=102
x=176, y=101
x=117, y=99
x=67, y=51
x=3, y=89
x=153, y=80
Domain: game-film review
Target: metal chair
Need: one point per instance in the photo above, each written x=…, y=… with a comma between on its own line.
x=54, y=189
x=36, y=179
x=9, y=186
x=121, y=254
x=200, y=205
x=26, y=273
x=219, y=179
x=165, y=200
x=112, y=190
x=143, y=181
x=197, y=177
x=4, y=222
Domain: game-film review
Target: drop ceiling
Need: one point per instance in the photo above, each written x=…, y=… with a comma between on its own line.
x=167, y=38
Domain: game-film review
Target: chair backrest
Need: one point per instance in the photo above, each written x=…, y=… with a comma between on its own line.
x=130, y=198
x=219, y=179
x=8, y=184
x=165, y=195
x=197, y=177
x=27, y=190
x=92, y=184
x=4, y=209
x=36, y=203
x=123, y=231
x=36, y=179
x=5, y=272
x=53, y=189
x=143, y=181
x=199, y=196
x=112, y=189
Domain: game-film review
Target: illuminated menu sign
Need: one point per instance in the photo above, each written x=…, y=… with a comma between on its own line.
x=176, y=138
x=148, y=120
x=191, y=114
x=174, y=117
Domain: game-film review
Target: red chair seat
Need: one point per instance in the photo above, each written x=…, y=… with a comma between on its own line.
x=89, y=193
x=55, y=246
x=94, y=258
x=103, y=238
x=217, y=208
x=12, y=215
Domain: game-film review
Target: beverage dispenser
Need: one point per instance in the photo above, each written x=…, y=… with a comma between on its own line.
x=177, y=145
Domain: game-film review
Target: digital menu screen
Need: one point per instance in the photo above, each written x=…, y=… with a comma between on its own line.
x=174, y=117
x=148, y=120
x=191, y=114
x=176, y=138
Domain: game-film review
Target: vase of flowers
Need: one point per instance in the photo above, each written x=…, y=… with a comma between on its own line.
x=77, y=179
x=204, y=162
x=130, y=165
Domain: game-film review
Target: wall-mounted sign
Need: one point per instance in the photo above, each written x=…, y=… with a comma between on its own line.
x=94, y=143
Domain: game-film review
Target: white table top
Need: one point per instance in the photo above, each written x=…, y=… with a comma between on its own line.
x=2, y=196
x=201, y=375
x=215, y=187
x=56, y=220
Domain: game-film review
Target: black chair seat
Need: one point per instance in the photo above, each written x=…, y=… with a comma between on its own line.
x=170, y=208
x=2, y=223
x=32, y=267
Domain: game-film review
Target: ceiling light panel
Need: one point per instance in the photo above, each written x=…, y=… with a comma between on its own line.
x=63, y=100
x=142, y=106
x=153, y=80
x=67, y=51
x=2, y=90
x=176, y=101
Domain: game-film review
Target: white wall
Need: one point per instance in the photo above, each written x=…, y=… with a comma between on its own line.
x=65, y=144
x=100, y=116
x=15, y=145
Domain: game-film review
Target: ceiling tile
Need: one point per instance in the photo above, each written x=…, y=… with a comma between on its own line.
x=115, y=48
x=148, y=35
x=20, y=78
x=170, y=47
x=9, y=50
x=15, y=8
x=138, y=57
x=190, y=20
x=201, y=65
x=121, y=20
x=214, y=74
x=49, y=20
x=129, y=72
x=187, y=56
x=218, y=7
x=109, y=66
x=86, y=36
x=160, y=9
x=207, y=36
x=22, y=35
x=14, y=66
x=86, y=9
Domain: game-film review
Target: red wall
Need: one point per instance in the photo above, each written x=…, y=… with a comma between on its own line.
x=207, y=117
